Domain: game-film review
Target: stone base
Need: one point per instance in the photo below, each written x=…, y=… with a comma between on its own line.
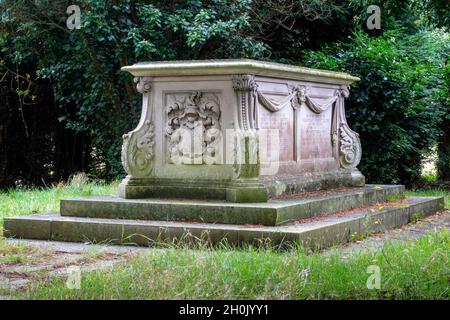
x=321, y=233
x=271, y=213
x=240, y=191
x=307, y=182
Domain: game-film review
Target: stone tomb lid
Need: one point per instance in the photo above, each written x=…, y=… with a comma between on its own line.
x=236, y=66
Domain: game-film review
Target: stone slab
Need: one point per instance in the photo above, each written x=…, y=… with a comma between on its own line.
x=323, y=232
x=238, y=66
x=273, y=212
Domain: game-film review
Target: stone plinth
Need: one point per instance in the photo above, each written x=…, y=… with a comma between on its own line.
x=238, y=130
x=319, y=233
x=271, y=213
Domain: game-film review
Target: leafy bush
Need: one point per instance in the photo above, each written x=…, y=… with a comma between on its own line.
x=400, y=102
x=443, y=164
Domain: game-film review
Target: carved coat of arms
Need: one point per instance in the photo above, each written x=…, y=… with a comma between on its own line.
x=193, y=128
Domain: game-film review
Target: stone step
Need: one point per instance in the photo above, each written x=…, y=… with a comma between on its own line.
x=320, y=233
x=271, y=213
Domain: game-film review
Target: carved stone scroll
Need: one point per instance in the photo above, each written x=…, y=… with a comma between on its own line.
x=348, y=140
x=137, y=151
x=138, y=145
x=143, y=84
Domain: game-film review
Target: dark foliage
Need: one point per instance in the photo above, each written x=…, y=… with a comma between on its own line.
x=65, y=103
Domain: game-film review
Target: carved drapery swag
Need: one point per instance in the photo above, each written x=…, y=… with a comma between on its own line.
x=297, y=97
x=347, y=140
x=138, y=145
x=193, y=129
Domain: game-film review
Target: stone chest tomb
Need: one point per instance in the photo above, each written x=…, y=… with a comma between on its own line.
x=238, y=130
x=234, y=150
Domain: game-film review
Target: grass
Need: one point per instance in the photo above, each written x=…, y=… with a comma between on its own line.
x=412, y=270
x=15, y=253
x=19, y=253
x=14, y=202
x=429, y=177
x=432, y=193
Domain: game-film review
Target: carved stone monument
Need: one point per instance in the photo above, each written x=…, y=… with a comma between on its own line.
x=225, y=150
x=203, y=123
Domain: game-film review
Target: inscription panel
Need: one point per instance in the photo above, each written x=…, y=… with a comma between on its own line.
x=282, y=120
x=315, y=134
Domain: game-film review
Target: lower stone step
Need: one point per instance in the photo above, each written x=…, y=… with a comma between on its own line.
x=274, y=212
x=320, y=233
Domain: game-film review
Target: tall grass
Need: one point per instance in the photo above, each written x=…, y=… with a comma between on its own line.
x=414, y=270
x=23, y=201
